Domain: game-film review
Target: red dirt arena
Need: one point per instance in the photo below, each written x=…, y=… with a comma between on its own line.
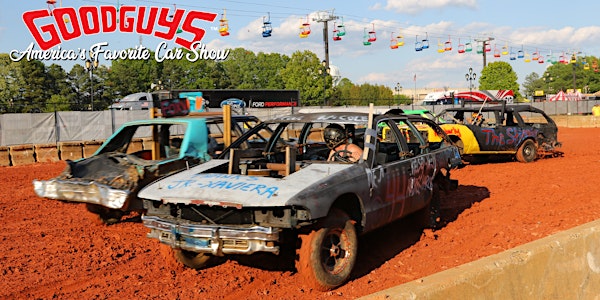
x=52, y=249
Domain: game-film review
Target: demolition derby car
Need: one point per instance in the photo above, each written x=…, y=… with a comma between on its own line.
x=296, y=193
x=522, y=131
x=136, y=154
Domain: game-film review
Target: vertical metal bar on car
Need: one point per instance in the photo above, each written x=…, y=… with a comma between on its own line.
x=227, y=125
x=368, y=137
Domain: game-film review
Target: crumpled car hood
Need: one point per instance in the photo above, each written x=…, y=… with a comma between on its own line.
x=198, y=186
x=109, y=168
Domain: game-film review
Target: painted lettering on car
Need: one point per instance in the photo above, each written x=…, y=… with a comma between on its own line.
x=231, y=182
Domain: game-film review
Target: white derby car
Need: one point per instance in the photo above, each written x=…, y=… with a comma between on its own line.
x=259, y=200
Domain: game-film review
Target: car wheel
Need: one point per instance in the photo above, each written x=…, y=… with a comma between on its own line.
x=192, y=259
x=527, y=152
x=327, y=255
x=106, y=215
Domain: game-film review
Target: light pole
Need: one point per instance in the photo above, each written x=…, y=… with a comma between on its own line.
x=574, y=63
x=470, y=78
x=90, y=66
x=324, y=71
x=398, y=89
x=547, y=79
x=412, y=102
x=325, y=17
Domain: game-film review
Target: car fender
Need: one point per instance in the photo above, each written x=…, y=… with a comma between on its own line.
x=465, y=134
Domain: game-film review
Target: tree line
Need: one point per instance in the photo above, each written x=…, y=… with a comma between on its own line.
x=580, y=73
x=32, y=86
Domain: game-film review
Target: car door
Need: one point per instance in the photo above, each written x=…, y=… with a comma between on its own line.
x=393, y=173
x=504, y=137
x=493, y=137
x=422, y=169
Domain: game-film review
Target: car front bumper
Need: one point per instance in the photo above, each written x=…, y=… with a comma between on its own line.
x=85, y=192
x=215, y=239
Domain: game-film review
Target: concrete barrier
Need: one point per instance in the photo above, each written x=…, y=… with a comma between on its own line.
x=4, y=156
x=565, y=265
x=70, y=150
x=89, y=147
x=22, y=155
x=46, y=153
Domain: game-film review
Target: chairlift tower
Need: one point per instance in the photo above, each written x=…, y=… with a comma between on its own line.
x=485, y=41
x=325, y=17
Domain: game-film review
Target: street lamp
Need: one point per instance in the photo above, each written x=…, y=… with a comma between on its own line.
x=574, y=63
x=470, y=78
x=90, y=66
x=324, y=71
x=398, y=89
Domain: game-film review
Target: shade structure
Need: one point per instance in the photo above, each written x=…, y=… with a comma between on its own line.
x=562, y=96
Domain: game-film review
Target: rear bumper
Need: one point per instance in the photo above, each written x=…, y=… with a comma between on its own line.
x=214, y=239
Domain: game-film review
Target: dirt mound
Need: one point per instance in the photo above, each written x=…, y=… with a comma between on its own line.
x=52, y=249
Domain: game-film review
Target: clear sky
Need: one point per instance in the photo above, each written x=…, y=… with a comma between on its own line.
x=549, y=27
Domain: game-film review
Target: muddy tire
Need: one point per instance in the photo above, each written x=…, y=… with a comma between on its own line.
x=527, y=152
x=327, y=255
x=106, y=215
x=192, y=259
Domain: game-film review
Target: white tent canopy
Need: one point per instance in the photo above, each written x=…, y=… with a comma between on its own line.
x=562, y=96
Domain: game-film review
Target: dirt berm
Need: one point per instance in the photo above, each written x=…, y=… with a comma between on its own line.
x=565, y=265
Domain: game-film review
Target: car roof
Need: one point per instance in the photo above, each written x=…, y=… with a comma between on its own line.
x=515, y=107
x=191, y=119
x=134, y=97
x=337, y=117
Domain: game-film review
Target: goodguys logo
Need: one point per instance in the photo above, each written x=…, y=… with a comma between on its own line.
x=49, y=28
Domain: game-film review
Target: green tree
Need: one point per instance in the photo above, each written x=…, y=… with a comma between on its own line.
x=103, y=96
x=57, y=103
x=133, y=76
x=34, y=84
x=240, y=69
x=58, y=88
x=569, y=75
x=268, y=72
x=369, y=94
x=302, y=73
x=79, y=83
x=532, y=83
x=341, y=95
x=574, y=75
x=10, y=80
x=499, y=76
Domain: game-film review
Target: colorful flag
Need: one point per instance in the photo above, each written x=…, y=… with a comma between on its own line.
x=415, y=78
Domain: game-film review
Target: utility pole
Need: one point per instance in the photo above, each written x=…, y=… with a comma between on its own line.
x=325, y=17
x=484, y=41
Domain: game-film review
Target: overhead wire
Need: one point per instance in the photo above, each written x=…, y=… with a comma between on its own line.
x=406, y=30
